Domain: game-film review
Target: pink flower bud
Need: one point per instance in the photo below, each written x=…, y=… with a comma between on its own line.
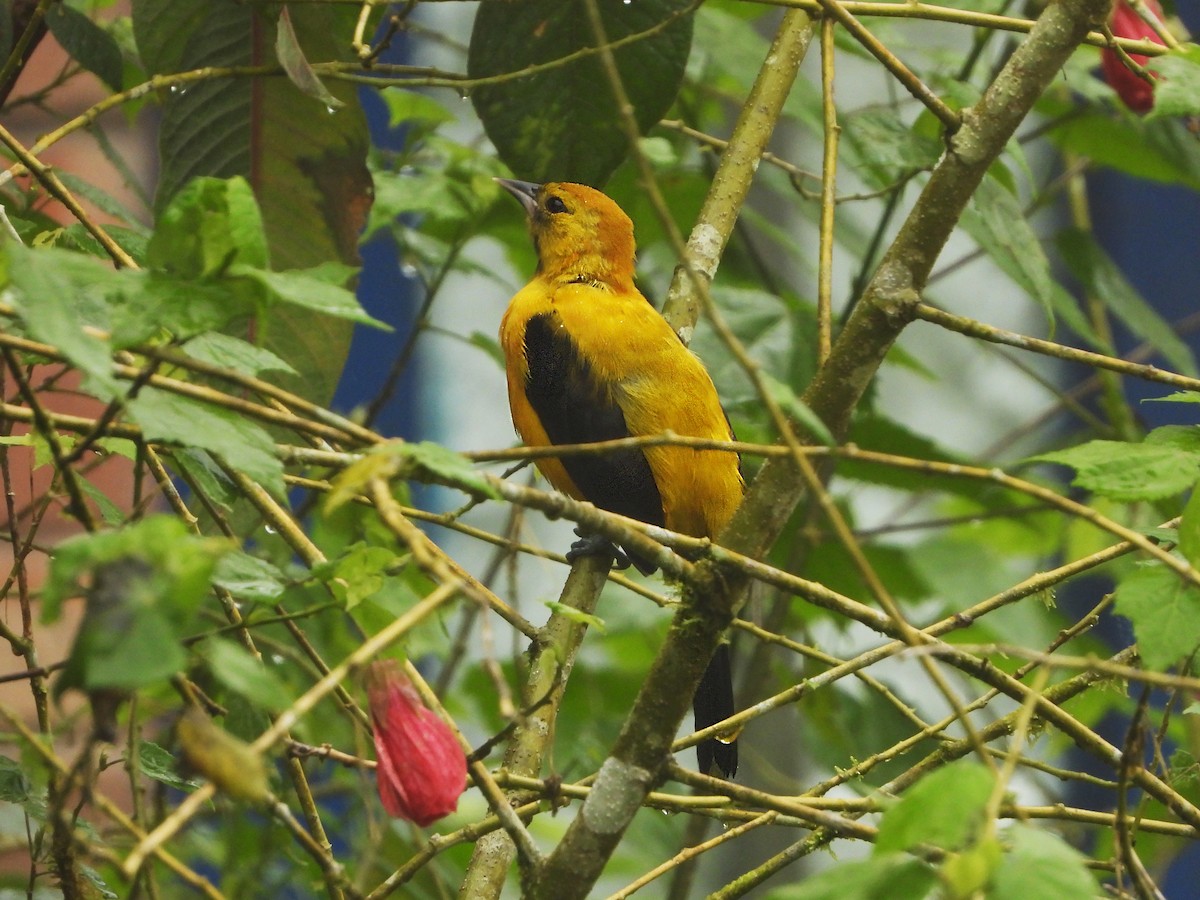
x=421, y=767
x=1135, y=91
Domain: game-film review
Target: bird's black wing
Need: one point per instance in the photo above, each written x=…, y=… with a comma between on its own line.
x=574, y=408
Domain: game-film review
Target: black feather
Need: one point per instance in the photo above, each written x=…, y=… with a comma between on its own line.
x=713, y=703
x=575, y=408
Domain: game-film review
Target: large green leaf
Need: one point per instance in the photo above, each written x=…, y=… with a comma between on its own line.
x=62, y=299
x=231, y=353
x=878, y=878
x=307, y=165
x=730, y=48
x=1040, y=865
x=209, y=225
x=557, y=124
x=995, y=219
x=1151, y=470
x=249, y=578
x=1157, y=150
x=1165, y=611
x=881, y=147
x=1100, y=275
x=157, y=763
x=144, y=584
x=86, y=43
x=945, y=809
x=1189, y=530
x=235, y=668
x=236, y=439
x=1177, y=92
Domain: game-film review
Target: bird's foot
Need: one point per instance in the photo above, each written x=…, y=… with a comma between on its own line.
x=590, y=544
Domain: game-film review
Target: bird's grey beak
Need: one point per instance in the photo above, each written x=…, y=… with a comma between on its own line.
x=525, y=191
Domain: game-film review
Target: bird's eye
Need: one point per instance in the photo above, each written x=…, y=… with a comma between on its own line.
x=555, y=205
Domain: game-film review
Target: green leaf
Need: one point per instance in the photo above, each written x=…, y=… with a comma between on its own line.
x=105, y=202
x=969, y=872
x=361, y=572
x=944, y=809
x=1184, y=438
x=182, y=306
x=728, y=51
x=1177, y=90
x=145, y=583
x=878, y=878
x=237, y=669
x=99, y=885
x=62, y=299
x=109, y=511
x=157, y=763
x=163, y=31
x=797, y=410
x=451, y=189
x=882, y=147
x=312, y=290
x=876, y=432
x=210, y=225
x=425, y=461
x=233, y=353
x=87, y=309
x=1041, y=866
x=199, y=468
x=236, y=439
x=136, y=649
x=1177, y=397
x=776, y=333
x=183, y=562
x=307, y=167
x=14, y=783
x=1129, y=472
x=575, y=615
x=396, y=594
x=558, y=123
x=1189, y=530
x=249, y=578
x=1155, y=150
x=430, y=461
x=1165, y=612
x=408, y=106
x=995, y=220
x=296, y=65
x=1101, y=278
x=87, y=43
x=378, y=462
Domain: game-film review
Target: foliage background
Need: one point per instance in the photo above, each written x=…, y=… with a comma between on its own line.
x=935, y=701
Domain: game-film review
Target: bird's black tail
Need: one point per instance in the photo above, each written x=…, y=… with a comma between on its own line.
x=712, y=703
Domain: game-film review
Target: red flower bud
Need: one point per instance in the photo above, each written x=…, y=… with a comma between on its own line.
x=1135, y=91
x=421, y=768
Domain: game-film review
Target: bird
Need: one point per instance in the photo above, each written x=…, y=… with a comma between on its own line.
x=588, y=358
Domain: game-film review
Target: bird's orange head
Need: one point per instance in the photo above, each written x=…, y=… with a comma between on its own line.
x=579, y=233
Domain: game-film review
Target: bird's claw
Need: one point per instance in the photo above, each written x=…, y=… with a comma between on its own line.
x=590, y=544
